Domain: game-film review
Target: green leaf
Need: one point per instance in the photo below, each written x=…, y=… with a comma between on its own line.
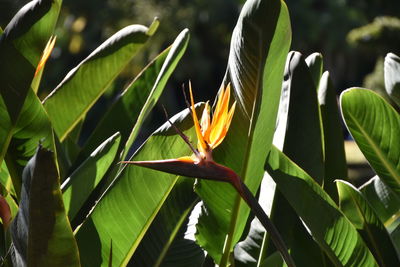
x=385, y=203
x=302, y=139
x=178, y=48
x=128, y=207
x=334, y=233
x=298, y=134
x=41, y=232
x=21, y=46
x=139, y=97
x=85, y=83
x=33, y=127
x=77, y=188
x=392, y=77
x=374, y=233
x=316, y=65
x=375, y=126
x=167, y=243
x=259, y=46
x=334, y=155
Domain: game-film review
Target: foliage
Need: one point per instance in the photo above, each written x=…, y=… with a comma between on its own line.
x=68, y=201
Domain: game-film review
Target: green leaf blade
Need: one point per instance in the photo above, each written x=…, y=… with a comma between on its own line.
x=259, y=46
x=84, y=84
x=21, y=46
x=375, y=126
x=87, y=176
x=334, y=154
x=357, y=209
x=41, y=232
x=127, y=209
x=332, y=231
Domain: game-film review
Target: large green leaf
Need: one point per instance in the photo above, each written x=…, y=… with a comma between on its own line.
x=21, y=46
x=375, y=126
x=374, y=233
x=140, y=96
x=41, y=232
x=335, y=234
x=33, y=127
x=259, y=46
x=316, y=65
x=77, y=187
x=334, y=155
x=85, y=83
x=126, y=210
x=392, y=77
x=385, y=203
x=168, y=241
x=298, y=134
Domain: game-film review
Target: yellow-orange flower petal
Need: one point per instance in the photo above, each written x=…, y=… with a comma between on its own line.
x=201, y=143
x=46, y=54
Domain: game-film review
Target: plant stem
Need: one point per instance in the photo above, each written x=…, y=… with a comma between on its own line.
x=276, y=238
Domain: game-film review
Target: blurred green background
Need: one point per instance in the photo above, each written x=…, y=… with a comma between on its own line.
x=353, y=37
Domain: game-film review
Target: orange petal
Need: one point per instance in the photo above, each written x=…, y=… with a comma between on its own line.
x=220, y=117
x=226, y=125
x=46, y=54
x=202, y=144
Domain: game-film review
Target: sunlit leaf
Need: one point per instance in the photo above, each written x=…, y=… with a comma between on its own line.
x=375, y=126
x=259, y=46
x=126, y=210
x=374, y=233
x=33, y=127
x=85, y=83
x=21, y=46
x=334, y=233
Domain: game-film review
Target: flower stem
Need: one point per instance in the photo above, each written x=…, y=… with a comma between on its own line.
x=258, y=211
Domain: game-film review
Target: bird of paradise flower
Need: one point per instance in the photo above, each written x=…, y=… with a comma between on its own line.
x=210, y=133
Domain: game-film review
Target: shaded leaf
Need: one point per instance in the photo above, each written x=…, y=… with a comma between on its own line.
x=374, y=233
x=375, y=126
x=258, y=50
x=77, y=188
x=167, y=243
x=334, y=155
x=385, y=203
x=316, y=65
x=334, y=233
x=41, y=232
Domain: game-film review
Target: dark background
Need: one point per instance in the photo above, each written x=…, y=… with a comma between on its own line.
x=353, y=37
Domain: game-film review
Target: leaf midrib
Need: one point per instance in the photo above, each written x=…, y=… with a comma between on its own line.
x=381, y=156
